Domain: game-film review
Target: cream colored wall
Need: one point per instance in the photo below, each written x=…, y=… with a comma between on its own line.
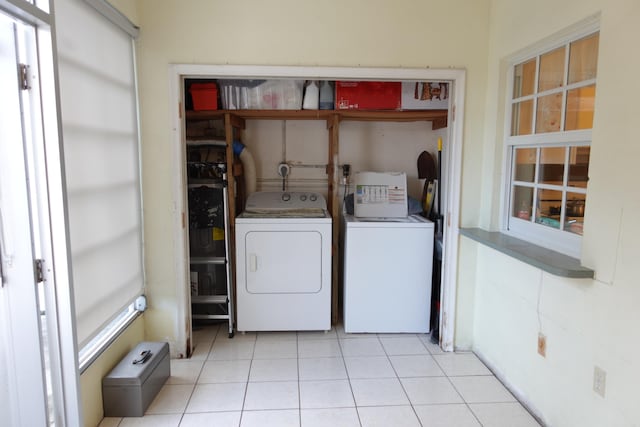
x=587, y=322
x=366, y=146
x=379, y=33
x=91, y=379
x=129, y=8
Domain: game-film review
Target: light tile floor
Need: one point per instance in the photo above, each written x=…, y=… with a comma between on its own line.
x=317, y=379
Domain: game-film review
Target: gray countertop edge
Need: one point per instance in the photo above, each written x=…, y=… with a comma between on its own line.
x=545, y=259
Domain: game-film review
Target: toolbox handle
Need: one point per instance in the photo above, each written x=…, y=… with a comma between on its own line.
x=144, y=356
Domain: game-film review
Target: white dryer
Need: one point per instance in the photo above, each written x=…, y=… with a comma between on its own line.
x=283, y=263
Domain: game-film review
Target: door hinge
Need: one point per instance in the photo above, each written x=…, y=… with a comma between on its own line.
x=39, y=269
x=23, y=76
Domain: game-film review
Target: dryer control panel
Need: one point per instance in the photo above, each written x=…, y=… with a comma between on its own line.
x=282, y=201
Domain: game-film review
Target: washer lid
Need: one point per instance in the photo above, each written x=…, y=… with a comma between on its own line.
x=286, y=204
x=409, y=221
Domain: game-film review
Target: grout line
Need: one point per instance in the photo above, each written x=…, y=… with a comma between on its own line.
x=400, y=381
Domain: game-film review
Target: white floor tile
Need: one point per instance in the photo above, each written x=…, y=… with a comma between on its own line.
x=325, y=394
x=317, y=335
x=416, y=366
x=482, y=389
x=232, y=349
x=200, y=351
x=458, y=415
x=403, y=345
x=184, y=371
x=384, y=416
x=225, y=371
x=461, y=364
x=274, y=370
x=171, y=399
x=323, y=368
x=333, y=417
x=369, y=367
x=168, y=420
x=205, y=334
x=319, y=379
x=378, y=392
x=238, y=336
x=503, y=415
x=275, y=418
x=361, y=347
x=110, y=422
x=272, y=395
x=278, y=336
x=342, y=334
x=274, y=349
x=430, y=390
x=319, y=348
x=217, y=419
x=433, y=348
x=217, y=397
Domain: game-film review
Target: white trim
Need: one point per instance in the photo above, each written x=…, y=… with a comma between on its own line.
x=454, y=158
x=454, y=178
x=26, y=12
x=183, y=298
x=576, y=31
x=115, y=16
x=559, y=240
x=64, y=318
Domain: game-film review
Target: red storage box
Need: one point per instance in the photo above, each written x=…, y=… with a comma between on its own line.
x=368, y=95
x=204, y=95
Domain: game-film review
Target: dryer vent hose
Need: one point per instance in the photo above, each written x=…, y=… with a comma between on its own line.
x=248, y=165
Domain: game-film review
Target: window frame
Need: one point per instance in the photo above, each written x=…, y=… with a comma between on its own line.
x=539, y=234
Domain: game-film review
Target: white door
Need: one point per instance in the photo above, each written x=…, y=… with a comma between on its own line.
x=283, y=262
x=23, y=391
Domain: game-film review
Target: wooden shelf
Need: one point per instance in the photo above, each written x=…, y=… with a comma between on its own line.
x=438, y=117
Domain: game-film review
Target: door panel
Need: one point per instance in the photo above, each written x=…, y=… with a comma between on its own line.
x=283, y=262
x=23, y=393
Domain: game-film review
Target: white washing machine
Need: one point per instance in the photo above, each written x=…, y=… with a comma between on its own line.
x=387, y=274
x=283, y=263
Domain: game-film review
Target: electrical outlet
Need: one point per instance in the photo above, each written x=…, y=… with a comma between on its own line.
x=599, y=380
x=542, y=345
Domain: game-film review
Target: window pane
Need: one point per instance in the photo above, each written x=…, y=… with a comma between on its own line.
x=574, y=212
x=522, y=202
x=580, y=102
x=524, y=76
x=583, y=59
x=525, y=164
x=552, y=165
x=548, y=212
x=549, y=113
x=579, y=166
x=551, y=70
x=522, y=117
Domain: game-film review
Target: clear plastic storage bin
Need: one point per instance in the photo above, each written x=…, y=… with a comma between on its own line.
x=261, y=94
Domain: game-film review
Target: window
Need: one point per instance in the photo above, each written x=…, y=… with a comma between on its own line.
x=548, y=144
x=96, y=66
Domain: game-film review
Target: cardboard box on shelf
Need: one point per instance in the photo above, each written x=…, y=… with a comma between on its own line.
x=367, y=95
x=425, y=95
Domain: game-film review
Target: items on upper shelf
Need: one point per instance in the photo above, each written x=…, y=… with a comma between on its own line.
x=291, y=94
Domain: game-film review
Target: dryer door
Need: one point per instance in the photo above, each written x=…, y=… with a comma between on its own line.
x=282, y=262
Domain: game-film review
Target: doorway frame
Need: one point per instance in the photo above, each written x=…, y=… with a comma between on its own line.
x=44, y=161
x=452, y=167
